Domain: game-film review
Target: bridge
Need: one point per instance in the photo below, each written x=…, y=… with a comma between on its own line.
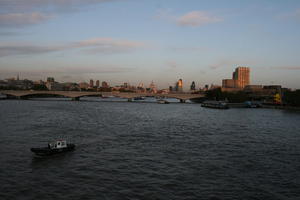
x=75, y=95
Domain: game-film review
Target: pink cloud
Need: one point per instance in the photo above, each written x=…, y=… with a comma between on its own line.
x=22, y=19
x=197, y=18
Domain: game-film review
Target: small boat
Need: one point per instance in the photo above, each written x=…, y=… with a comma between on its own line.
x=162, y=101
x=138, y=98
x=215, y=104
x=56, y=147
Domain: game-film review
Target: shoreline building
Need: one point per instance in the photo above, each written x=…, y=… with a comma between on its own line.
x=91, y=83
x=240, y=78
x=179, y=86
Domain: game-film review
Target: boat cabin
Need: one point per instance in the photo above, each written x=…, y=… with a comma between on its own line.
x=57, y=144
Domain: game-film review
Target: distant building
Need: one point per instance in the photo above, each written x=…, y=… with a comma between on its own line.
x=91, y=83
x=193, y=86
x=126, y=85
x=179, y=86
x=228, y=83
x=50, y=80
x=240, y=78
x=83, y=85
x=54, y=86
x=152, y=87
x=104, y=84
x=97, y=84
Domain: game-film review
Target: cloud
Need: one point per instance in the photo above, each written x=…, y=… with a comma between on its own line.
x=70, y=71
x=108, y=45
x=192, y=19
x=20, y=13
x=197, y=18
x=22, y=19
x=8, y=6
x=95, y=46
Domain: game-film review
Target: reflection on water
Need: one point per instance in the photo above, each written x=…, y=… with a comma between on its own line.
x=148, y=151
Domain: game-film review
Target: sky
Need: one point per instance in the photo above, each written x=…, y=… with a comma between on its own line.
x=151, y=40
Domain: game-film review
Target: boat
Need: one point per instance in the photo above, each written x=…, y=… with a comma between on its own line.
x=55, y=147
x=215, y=104
x=138, y=98
x=162, y=101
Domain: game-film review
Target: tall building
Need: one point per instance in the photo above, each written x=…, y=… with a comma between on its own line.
x=50, y=80
x=193, y=86
x=152, y=87
x=178, y=86
x=91, y=83
x=97, y=83
x=240, y=78
x=104, y=84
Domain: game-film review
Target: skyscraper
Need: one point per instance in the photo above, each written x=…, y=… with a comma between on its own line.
x=180, y=85
x=91, y=83
x=97, y=84
x=193, y=86
x=242, y=77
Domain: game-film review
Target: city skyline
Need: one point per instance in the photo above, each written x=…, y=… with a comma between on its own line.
x=143, y=41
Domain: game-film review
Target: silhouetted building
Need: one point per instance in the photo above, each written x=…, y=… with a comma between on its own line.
x=97, y=83
x=83, y=85
x=91, y=83
x=152, y=87
x=104, y=84
x=50, y=80
x=193, y=86
x=178, y=86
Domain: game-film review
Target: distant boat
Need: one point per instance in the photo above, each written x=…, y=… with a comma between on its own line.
x=162, y=101
x=215, y=104
x=138, y=98
x=56, y=147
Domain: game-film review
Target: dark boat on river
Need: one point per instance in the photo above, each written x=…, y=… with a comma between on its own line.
x=215, y=104
x=59, y=146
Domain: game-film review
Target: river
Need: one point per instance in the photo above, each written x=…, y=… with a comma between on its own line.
x=131, y=150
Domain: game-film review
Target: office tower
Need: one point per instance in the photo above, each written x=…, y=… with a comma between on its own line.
x=91, y=83
x=97, y=84
x=242, y=77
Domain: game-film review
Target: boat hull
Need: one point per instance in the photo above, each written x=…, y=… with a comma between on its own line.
x=48, y=152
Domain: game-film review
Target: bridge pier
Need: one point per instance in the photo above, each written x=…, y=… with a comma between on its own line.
x=75, y=98
x=182, y=100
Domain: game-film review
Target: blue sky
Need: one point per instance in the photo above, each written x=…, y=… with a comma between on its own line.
x=140, y=40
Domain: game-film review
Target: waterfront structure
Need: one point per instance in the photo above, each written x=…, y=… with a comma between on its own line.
x=152, y=87
x=193, y=86
x=228, y=83
x=91, y=83
x=75, y=95
x=240, y=78
x=104, y=84
x=97, y=84
x=179, y=86
x=83, y=85
x=50, y=79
